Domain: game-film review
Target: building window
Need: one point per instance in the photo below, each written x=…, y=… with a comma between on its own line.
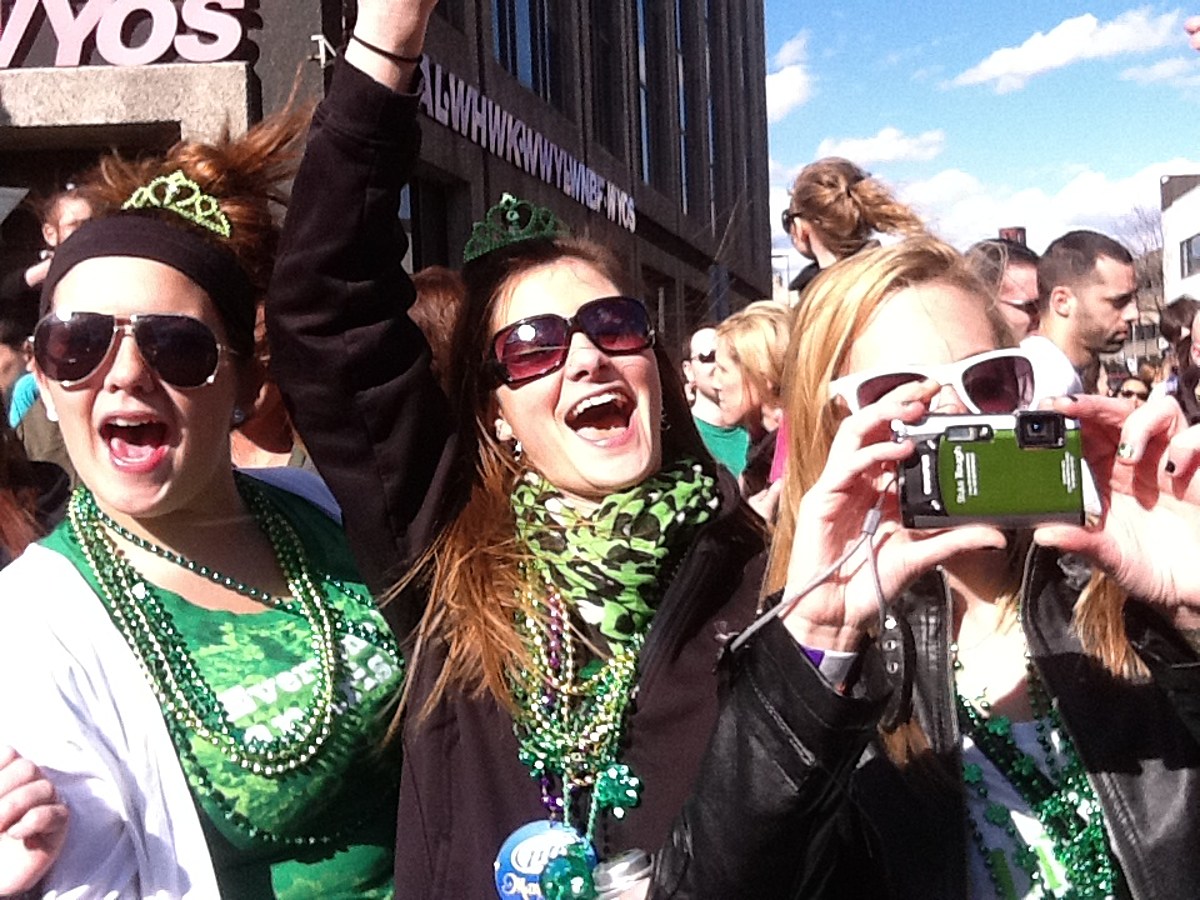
x=608, y=75
x=1189, y=256
x=681, y=85
x=528, y=43
x=714, y=180
x=653, y=93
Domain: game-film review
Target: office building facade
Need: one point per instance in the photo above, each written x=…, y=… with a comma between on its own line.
x=641, y=123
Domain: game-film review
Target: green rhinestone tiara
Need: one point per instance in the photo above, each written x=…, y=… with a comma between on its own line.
x=182, y=196
x=509, y=222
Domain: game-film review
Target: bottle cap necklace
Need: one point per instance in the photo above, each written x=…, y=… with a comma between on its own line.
x=568, y=723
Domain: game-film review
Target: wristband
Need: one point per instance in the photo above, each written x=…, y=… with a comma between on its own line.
x=397, y=58
x=834, y=665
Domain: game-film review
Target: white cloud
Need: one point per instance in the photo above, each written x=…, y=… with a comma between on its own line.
x=1177, y=72
x=1071, y=41
x=793, y=52
x=963, y=209
x=790, y=86
x=889, y=145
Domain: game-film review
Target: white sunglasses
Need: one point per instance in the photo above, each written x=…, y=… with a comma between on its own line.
x=998, y=381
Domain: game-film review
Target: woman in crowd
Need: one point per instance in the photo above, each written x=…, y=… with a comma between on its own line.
x=33, y=497
x=836, y=209
x=1048, y=752
x=190, y=657
x=751, y=346
x=1132, y=388
x=579, y=558
x=1178, y=325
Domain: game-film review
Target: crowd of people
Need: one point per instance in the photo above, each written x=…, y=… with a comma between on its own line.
x=563, y=616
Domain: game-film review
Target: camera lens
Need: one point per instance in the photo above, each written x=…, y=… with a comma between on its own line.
x=1037, y=428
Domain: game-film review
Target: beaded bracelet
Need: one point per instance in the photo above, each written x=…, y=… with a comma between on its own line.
x=397, y=58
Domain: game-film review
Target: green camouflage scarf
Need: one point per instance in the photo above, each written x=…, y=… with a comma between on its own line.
x=609, y=564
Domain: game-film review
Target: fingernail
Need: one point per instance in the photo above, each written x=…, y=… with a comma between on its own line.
x=1124, y=451
x=1170, y=467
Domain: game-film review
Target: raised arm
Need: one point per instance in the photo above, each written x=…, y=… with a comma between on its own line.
x=353, y=368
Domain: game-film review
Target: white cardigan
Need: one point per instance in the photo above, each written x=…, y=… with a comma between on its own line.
x=74, y=701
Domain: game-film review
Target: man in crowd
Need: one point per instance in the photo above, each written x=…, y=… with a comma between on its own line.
x=1087, y=297
x=728, y=445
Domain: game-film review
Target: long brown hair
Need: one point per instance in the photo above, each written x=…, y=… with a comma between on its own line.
x=18, y=496
x=840, y=305
x=846, y=205
x=473, y=571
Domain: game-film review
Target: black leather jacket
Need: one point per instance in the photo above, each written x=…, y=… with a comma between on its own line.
x=903, y=835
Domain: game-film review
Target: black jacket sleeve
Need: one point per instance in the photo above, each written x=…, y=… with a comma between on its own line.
x=353, y=368
x=769, y=817
x=1173, y=662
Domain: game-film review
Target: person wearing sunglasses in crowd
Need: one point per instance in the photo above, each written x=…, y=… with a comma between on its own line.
x=579, y=559
x=728, y=444
x=835, y=210
x=1132, y=388
x=1010, y=270
x=1049, y=748
x=191, y=657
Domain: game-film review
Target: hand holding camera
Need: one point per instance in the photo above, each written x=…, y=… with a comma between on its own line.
x=1145, y=465
x=859, y=477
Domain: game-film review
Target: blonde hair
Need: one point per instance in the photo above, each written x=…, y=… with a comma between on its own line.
x=846, y=205
x=757, y=339
x=841, y=304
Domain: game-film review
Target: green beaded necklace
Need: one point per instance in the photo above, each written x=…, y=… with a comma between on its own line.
x=188, y=702
x=568, y=723
x=1056, y=796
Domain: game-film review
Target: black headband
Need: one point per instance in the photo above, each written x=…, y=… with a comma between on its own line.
x=213, y=267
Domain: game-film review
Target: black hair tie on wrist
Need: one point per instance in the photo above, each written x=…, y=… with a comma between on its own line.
x=386, y=54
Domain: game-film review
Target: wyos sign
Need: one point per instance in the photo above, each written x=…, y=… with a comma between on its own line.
x=197, y=30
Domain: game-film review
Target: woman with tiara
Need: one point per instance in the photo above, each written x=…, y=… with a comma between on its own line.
x=190, y=658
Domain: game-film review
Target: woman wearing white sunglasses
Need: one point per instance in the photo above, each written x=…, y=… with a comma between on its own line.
x=1049, y=750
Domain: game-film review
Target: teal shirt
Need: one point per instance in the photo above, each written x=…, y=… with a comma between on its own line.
x=729, y=446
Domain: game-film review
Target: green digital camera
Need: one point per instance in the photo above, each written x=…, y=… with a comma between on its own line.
x=1012, y=471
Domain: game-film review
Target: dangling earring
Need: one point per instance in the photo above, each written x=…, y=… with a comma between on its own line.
x=517, y=450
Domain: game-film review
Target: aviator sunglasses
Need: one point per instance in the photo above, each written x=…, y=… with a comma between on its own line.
x=998, y=381
x=181, y=350
x=536, y=346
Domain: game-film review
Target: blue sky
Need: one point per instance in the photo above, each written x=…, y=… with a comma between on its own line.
x=982, y=115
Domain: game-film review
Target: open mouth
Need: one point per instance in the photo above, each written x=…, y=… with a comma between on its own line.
x=135, y=443
x=601, y=416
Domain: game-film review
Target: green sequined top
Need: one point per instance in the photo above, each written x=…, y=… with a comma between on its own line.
x=328, y=829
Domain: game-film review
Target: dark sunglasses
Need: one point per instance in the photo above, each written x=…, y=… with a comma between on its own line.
x=1029, y=307
x=1128, y=394
x=183, y=351
x=538, y=345
x=786, y=218
x=707, y=358
x=998, y=381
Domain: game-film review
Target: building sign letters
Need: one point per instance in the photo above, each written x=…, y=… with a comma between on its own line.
x=452, y=102
x=198, y=30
